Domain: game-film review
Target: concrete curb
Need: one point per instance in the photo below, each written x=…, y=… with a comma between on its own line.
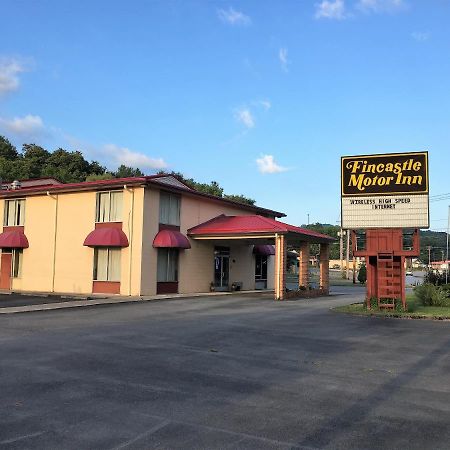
x=91, y=301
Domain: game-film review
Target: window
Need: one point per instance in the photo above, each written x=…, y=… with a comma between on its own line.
x=16, y=262
x=109, y=206
x=107, y=264
x=14, y=213
x=169, y=209
x=360, y=240
x=167, y=265
x=408, y=239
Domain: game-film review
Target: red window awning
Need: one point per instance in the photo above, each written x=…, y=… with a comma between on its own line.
x=171, y=239
x=106, y=237
x=13, y=239
x=264, y=250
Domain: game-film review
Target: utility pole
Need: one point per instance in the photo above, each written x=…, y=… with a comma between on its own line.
x=308, y=218
x=446, y=258
x=429, y=256
x=354, y=269
x=347, y=256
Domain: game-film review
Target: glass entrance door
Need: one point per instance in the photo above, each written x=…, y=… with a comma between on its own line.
x=260, y=272
x=221, y=268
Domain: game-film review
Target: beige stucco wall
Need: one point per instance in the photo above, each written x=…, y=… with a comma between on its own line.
x=37, y=261
x=74, y=262
x=64, y=264
x=132, y=220
x=242, y=265
x=150, y=230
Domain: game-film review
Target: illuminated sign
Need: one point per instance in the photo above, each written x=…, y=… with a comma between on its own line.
x=385, y=191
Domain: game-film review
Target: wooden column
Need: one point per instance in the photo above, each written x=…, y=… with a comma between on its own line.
x=324, y=257
x=280, y=266
x=303, y=265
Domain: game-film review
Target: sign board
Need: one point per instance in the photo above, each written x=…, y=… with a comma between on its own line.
x=385, y=191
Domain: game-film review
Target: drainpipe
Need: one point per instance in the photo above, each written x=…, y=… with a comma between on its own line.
x=55, y=228
x=130, y=234
x=277, y=267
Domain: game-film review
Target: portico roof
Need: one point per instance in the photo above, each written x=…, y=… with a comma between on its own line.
x=255, y=226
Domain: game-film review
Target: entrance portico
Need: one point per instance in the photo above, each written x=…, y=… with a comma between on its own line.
x=258, y=230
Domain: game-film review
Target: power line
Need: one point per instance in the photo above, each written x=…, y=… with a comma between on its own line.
x=439, y=195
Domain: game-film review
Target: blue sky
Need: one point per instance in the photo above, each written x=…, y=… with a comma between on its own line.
x=262, y=96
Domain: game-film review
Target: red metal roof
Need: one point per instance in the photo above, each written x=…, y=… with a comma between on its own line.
x=13, y=239
x=254, y=224
x=106, y=237
x=171, y=239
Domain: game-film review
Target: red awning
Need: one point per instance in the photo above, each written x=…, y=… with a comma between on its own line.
x=171, y=239
x=106, y=237
x=264, y=250
x=13, y=239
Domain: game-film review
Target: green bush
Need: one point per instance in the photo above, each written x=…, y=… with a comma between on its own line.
x=431, y=295
x=434, y=277
x=373, y=301
x=362, y=274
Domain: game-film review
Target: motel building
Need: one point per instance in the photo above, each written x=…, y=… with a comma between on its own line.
x=144, y=236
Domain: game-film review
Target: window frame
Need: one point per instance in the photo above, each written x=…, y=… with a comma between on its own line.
x=97, y=206
x=171, y=196
x=16, y=262
x=16, y=202
x=108, y=267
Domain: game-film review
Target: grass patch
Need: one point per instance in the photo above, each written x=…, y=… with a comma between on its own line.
x=415, y=310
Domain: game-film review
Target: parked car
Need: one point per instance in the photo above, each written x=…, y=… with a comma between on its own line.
x=408, y=272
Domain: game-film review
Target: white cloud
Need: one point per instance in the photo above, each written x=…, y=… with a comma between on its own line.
x=329, y=9
x=381, y=6
x=267, y=164
x=9, y=69
x=282, y=55
x=420, y=36
x=265, y=104
x=122, y=155
x=233, y=17
x=27, y=126
x=244, y=116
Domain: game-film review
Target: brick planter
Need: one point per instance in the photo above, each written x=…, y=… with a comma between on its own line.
x=307, y=293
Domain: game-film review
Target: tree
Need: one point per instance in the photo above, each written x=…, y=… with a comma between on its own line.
x=125, y=171
x=212, y=188
x=72, y=167
x=330, y=230
x=240, y=199
x=66, y=166
x=96, y=168
x=34, y=159
x=7, y=150
x=362, y=274
x=97, y=177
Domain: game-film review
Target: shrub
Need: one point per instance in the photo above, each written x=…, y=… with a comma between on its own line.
x=434, y=277
x=372, y=301
x=431, y=295
x=362, y=274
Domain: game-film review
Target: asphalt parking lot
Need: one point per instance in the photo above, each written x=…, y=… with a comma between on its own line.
x=230, y=372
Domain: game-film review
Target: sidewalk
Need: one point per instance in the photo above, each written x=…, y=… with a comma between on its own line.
x=30, y=302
